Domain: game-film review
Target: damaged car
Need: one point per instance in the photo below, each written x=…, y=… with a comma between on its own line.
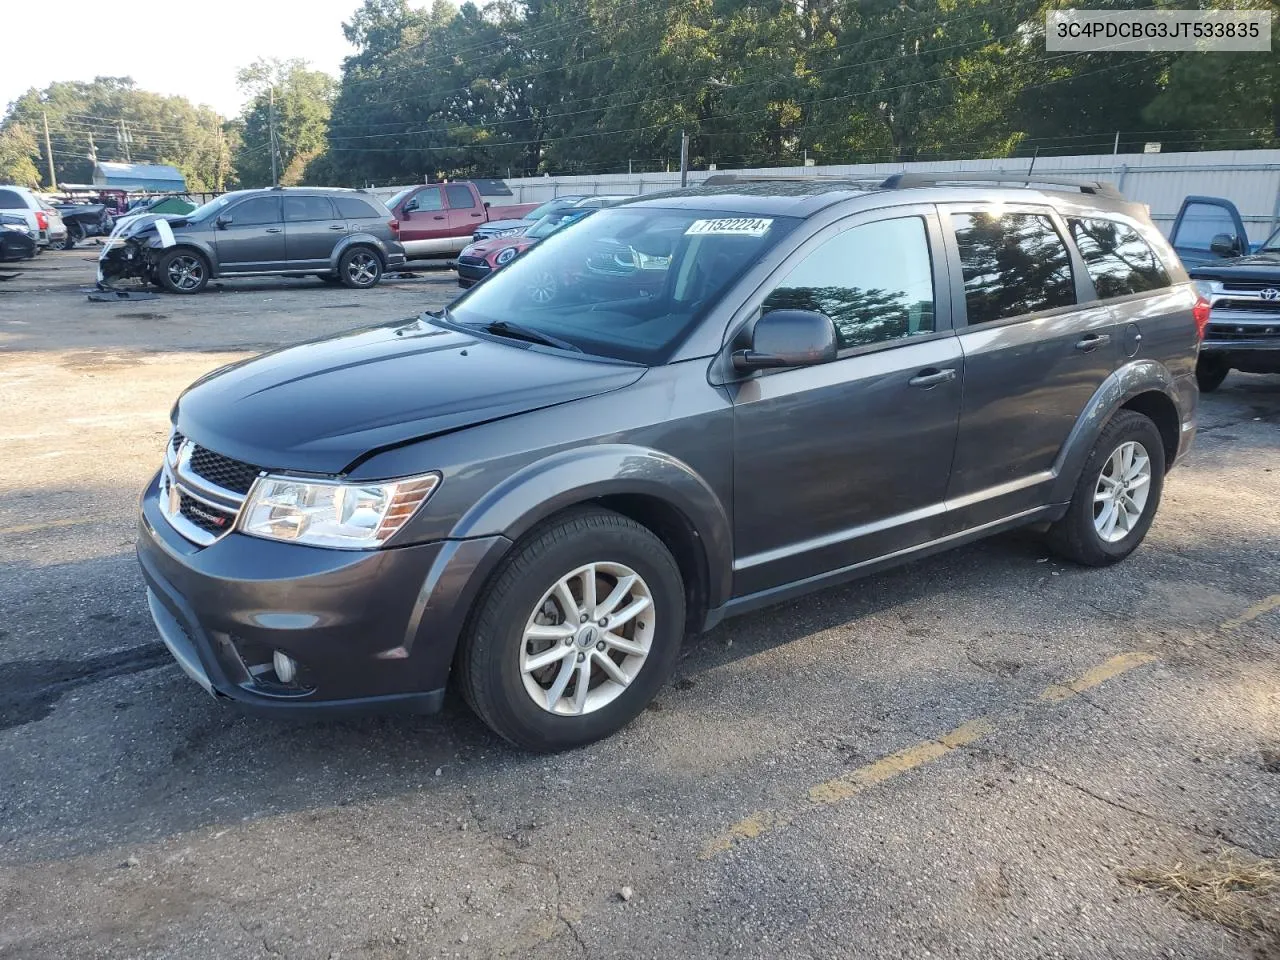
x=340, y=236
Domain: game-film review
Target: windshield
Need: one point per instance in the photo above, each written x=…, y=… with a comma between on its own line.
x=551, y=206
x=210, y=208
x=391, y=204
x=1272, y=243
x=628, y=282
x=549, y=225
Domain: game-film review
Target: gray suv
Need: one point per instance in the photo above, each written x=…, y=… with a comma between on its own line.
x=341, y=236
x=725, y=397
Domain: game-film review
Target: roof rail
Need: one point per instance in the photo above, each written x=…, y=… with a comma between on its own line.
x=899, y=181
x=721, y=179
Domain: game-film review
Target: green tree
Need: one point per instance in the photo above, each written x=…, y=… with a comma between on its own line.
x=18, y=156
x=300, y=100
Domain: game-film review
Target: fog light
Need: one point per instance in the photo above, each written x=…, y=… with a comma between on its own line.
x=286, y=667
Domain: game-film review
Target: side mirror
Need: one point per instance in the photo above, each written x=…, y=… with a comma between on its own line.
x=788, y=338
x=486, y=204
x=1225, y=245
x=410, y=205
x=224, y=221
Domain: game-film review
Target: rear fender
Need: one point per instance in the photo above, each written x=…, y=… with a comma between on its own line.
x=1141, y=376
x=576, y=476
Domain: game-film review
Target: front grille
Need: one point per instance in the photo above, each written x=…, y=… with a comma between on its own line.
x=1230, y=331
x=223, y=471
x=473, y=262
x=176, y=441
x=208, y=518
x=1252, y=306
x=1248, y=285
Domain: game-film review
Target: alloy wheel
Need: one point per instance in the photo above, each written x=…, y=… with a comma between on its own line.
x=362, y=269
x=1121, y=492
x=186, y=272
x=587, y=639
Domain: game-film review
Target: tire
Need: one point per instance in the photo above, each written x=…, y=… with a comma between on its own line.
x=68, y=240
x=1210, y=373
x=493, y=671
x=1082, y=534
x=360, y=268
x=183, y=270
x=75, y=234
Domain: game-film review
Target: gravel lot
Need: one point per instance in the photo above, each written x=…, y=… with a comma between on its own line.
x=966, y=757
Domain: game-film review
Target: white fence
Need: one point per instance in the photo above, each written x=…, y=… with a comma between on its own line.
x=1249, y=178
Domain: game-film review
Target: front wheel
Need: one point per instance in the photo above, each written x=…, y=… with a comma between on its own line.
x=1117, y=495
x=182, y=271
x=1210, y=373
x=360, y=268
x=576, y=632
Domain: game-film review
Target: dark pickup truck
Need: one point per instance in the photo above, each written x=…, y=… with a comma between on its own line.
x=1242, y=287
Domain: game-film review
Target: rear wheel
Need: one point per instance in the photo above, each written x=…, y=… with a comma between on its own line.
x=1210, y=372
x=182, y=271
x=1117, y=495
x=360, y=267
x=579, y=628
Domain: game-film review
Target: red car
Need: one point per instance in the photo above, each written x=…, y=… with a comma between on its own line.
x=489, y=256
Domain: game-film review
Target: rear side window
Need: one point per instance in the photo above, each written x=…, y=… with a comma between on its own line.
x=307, y=208
x=1118, y=260
x=9, y=200
x=353, y=208
x=256, y=210
x=875, y=282
x=460, y=197
x=1013, y=264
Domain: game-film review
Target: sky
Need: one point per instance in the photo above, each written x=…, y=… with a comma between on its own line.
x=196, y=56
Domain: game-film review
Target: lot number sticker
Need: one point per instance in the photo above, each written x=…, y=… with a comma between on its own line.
x=735, y=227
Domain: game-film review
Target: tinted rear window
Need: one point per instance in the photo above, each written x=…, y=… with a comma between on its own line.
x=460, y=197
x=1013, y=264
x=11, y=201
x=307, y=208
x=353, y=208
x=1118, y=260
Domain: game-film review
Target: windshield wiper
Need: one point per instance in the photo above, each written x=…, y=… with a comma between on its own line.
x=516, y=331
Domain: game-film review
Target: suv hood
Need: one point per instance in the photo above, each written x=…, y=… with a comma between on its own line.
x=136, y=224
x=1259, y=267
x=318, y=407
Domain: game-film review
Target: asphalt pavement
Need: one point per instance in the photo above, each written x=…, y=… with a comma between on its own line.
x=988, y=754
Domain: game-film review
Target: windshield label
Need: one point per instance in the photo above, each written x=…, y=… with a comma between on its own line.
x=735, y=227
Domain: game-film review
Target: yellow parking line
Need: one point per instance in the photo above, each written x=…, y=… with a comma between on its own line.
x=1259, y=609
x=855, y=781
x=49, y=524
x=1117, y=665
x=850, y=784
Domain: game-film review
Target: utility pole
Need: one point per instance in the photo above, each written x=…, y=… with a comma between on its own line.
x=222, y=148
x=123, y=137
x=275, y=156
x=684, y=159
x=48, y=151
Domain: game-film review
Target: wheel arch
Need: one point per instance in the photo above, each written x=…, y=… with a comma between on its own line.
x=210, y=261
x=654, y=489
x=356, y=240
x=1145, y=386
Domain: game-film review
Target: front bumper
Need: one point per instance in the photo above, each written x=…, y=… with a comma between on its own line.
x=370, y=630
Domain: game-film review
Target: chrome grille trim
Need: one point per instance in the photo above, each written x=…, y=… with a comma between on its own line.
x=178, y=480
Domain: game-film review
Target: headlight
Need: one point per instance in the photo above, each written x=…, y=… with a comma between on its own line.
x=1204, y=288
x=505, y=256
x=322, y=513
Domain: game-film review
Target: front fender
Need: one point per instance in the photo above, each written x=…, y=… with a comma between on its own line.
x=1140, y=376
x=571, y=477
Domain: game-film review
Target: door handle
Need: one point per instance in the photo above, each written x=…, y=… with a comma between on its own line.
x=475, y=214
x=337, y=226
x=1093, y=341
x=275, y=229
x=437, y=217
x=931, y=377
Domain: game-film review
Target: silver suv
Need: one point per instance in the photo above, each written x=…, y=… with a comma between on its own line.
x=341, y=236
